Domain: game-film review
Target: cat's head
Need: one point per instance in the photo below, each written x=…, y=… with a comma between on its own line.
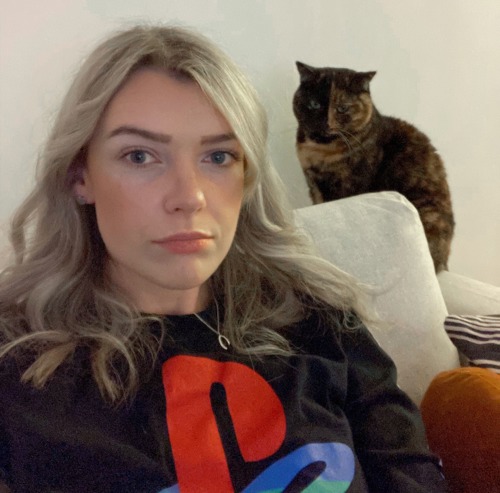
x=332, y=101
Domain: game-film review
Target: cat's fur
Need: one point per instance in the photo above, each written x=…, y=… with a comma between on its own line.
x=346, y=147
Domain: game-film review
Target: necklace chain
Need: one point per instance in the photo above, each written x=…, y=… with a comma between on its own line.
x=223, y=340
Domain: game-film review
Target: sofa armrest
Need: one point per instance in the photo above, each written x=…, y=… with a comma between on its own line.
x=379, y=239
x=466, y=296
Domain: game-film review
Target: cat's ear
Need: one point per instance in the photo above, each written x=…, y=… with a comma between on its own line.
x=366, y=77
x=306, y=71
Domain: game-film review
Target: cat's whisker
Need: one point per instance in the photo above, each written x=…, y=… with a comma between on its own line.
x=361, y=146
x=347, y=142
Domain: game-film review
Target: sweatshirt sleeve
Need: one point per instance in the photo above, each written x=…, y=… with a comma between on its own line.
x=4, y=459
x=388, y=431
x=6, y=376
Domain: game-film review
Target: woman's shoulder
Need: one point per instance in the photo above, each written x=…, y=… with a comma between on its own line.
x=324, y=329
x=12, y=386
x=15, y=367
x=337, y=334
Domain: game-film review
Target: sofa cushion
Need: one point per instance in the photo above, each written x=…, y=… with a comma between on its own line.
x=466, y=296
x=477, y=338
x=461, y=412
x=379, y=239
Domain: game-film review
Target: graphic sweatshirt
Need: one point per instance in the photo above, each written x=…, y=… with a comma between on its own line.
x=329, y=418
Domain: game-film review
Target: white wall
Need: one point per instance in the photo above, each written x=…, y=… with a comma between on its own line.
x=437, y=64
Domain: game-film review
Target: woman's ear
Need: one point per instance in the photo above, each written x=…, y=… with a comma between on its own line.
x=78, y=180
x=81, y=185
x=82, y=189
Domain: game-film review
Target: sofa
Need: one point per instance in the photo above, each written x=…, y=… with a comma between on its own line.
x=378, y=239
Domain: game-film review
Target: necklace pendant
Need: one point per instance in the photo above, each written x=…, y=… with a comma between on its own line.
x=224, y=341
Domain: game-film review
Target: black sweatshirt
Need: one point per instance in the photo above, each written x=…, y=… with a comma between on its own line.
x=329, y=418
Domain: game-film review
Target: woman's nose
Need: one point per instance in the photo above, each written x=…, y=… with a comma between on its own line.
x=185, y=191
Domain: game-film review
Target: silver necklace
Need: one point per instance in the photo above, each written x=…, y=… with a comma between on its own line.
x=223, y=340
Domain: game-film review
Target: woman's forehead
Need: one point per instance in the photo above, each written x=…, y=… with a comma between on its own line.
x=154, y=104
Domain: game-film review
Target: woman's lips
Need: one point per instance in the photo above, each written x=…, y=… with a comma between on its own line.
x=185, y=243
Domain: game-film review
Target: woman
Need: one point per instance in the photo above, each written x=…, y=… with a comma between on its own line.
x=165, y=327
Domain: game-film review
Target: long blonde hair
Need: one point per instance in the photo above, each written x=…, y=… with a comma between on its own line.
x=56, y=296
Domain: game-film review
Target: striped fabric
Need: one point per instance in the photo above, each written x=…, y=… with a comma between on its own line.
x=477, y=338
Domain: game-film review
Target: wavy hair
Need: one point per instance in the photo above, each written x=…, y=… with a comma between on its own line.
x=56, y=297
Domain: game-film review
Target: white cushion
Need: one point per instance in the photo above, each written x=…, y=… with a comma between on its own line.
x=379, y=239
x=465, y=296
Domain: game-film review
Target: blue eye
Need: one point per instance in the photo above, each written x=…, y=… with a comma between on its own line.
x=222, y=158
x=218, y=157
x=138, y=157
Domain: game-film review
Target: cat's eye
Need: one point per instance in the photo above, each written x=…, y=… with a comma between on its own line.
x=313, y=104
x=342, y=108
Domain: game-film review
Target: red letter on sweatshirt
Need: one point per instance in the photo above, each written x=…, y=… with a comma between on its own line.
x=257, y=414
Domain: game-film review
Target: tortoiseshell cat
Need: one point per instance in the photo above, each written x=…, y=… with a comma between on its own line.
x=346, y=147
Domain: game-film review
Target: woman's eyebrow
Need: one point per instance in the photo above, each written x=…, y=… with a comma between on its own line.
x=141, y=132
x=217, y=139
x=165, y=138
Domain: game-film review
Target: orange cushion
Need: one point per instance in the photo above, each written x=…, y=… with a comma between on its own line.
x=461, y=412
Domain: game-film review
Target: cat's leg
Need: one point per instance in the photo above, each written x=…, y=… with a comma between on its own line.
x=312, y=182
x=438, y=228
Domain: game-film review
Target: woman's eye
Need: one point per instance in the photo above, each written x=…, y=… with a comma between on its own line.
x=221, y=158
x=139, y=156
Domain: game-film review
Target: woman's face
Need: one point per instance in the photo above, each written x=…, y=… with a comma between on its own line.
x=166, y=175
